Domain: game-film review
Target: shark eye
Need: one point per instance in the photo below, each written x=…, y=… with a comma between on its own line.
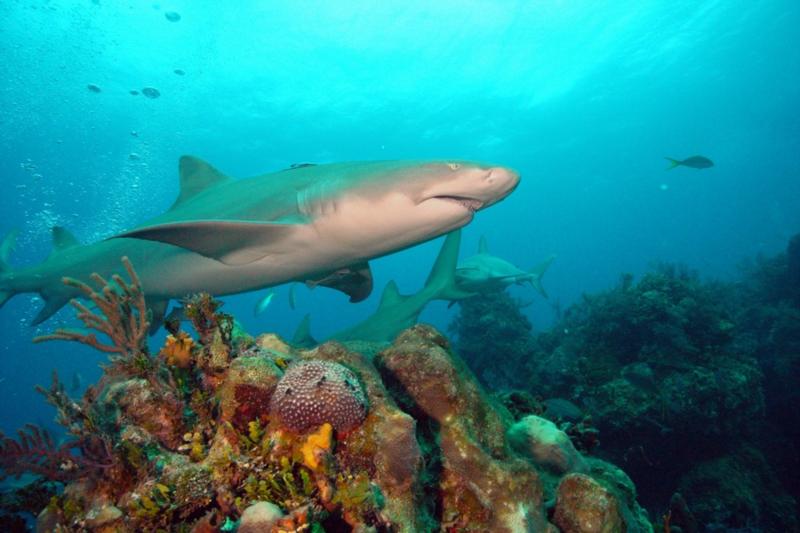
x=453, y=166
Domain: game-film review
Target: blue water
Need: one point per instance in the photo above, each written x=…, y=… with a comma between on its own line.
x=584, y=98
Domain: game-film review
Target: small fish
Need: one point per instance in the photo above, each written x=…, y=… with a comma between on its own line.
x=151, y=92
x=133, y=156
x=696, y=161
x=94, y=88
x=134, y=92
x=172, y=16
x=292, y=299
x=179, y=72
x=262, y=304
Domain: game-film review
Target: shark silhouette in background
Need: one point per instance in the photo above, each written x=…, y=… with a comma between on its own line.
x=318, y=224
x=488, y=273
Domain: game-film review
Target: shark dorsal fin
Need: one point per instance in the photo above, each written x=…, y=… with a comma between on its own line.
x=391, y=295
x=302, y=335
x=195, y=177
x=483, y=248
x=441, y=283
x=63, y=239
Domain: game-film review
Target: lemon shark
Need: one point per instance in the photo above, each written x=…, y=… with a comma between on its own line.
x=484, y=272
x=318, y=224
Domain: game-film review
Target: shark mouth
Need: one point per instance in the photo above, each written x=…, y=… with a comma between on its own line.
x=469, y=203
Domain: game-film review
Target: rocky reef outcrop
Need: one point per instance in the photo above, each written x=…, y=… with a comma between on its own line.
x=224, y=432
x=690, y=384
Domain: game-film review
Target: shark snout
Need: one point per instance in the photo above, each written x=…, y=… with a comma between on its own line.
x=499, y=183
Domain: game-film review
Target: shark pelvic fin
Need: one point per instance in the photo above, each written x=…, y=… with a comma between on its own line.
x=231, y=242
x=196, y=176
x=355, y=281
x=63, y=239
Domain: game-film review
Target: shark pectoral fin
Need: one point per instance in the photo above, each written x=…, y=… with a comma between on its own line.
x=355, y=281
x=231, y=242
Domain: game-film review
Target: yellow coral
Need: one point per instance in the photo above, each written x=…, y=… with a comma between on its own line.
x=316, y=444
x=177, y=350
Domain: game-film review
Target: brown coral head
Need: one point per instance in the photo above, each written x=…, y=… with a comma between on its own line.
x=311, y=393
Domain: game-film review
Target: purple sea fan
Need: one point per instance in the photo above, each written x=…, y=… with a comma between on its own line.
x=36, y=452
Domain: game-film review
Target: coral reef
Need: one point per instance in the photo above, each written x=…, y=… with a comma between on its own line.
x=676, y=374
x=738, y=490
x=405, y=441
x=583, y=504
x=492, y=324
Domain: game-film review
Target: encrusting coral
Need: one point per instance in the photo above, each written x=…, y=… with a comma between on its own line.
x=203, y=438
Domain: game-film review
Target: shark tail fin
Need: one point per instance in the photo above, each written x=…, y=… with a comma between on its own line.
x=673, y=163
x=441, y=283
x=6, y=247
x=537, y=272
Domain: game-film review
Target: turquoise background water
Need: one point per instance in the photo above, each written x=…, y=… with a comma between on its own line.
x=584, y=98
